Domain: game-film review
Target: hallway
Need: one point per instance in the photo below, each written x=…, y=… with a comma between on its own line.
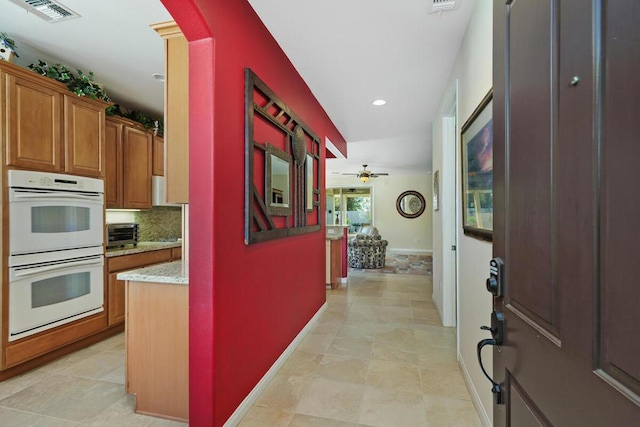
x=377, y=357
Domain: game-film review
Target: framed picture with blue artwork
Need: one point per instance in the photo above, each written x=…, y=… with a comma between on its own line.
x=477, y=171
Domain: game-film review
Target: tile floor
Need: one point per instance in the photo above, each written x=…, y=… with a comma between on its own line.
x=80, y=389
x=377, y=357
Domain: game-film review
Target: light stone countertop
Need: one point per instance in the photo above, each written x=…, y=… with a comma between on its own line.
x=142, y=247
x=334, y=237
x=169, y=272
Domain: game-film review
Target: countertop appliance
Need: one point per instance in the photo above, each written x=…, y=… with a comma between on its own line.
x=122, y=233
x=56, y=238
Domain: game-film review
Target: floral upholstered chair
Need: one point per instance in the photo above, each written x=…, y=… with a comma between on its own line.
x=367, y=249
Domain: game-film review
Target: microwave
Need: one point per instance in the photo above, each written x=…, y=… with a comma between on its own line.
x=124, y=233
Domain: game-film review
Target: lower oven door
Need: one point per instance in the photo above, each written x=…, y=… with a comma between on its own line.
x=42, y=296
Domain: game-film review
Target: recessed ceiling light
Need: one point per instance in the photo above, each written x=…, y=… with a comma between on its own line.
x=158, y=76
x=379, y=102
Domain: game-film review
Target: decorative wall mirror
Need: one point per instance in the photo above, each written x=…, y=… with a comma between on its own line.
x=278, y=182
x=309, y=181
x=283, y=173
x=410, y=204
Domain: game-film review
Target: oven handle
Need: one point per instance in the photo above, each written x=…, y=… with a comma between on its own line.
x=36, y=270
x=29, y=195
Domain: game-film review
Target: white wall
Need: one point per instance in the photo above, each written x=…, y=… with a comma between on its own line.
x=404, y=235
x=473, y=74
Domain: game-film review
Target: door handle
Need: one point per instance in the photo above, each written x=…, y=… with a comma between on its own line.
x=497, y=332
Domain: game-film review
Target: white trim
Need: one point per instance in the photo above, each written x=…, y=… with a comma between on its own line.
x=333, y=149
x=475, y=397
x=253, y=396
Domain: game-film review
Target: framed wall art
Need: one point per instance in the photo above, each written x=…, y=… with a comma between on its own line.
x=477, y=171
x=283, y=169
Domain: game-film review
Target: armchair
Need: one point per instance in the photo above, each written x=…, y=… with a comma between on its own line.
x=367, y=249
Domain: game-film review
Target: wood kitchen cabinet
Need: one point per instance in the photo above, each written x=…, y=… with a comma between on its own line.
x=84, y=136
x=158, y=155
x=116, y=288
x=157, y=348
x=176, y=108
x=136, y=168
x=128, y=164
x=47, y=128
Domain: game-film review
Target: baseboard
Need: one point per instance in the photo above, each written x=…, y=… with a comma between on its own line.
x=475, y=398
x=252, y=397
x=410, y=251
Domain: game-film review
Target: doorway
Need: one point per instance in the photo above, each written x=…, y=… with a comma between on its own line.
x=447, y=220
x=350, y=206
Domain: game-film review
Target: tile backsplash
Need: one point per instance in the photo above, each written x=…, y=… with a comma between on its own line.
x=160, y=223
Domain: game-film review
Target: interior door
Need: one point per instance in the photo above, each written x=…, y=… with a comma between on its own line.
x=567, y=219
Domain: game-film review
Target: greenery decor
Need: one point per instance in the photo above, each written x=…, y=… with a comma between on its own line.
x=148, y=122
x=10, y=43
x=81, y=84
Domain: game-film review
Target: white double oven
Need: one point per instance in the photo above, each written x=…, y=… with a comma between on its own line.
x=56, y=235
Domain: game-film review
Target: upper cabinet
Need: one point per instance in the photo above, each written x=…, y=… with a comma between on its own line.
x=46, y=128
x=176, y=110
x=84, y=136
x=129, y=164
x=158, y=155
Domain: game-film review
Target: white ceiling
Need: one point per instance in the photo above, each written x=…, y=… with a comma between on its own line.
x=349, y=53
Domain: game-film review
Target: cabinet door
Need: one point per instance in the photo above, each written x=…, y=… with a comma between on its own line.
x=33, y=120
x=158, y=155
x=136, y=162
x=113, y=164
x=84, y=136
x=177, y=118
x=116, y=299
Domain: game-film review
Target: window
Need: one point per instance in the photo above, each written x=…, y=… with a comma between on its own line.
x=349, y=206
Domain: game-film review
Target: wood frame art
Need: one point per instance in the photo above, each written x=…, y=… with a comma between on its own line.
x=477, y=171
x=275, y=134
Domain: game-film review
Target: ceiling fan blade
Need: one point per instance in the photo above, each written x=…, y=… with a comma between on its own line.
x=375, y=175
x=354, y=174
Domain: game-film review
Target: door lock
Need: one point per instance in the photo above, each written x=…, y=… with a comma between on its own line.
x=495, y=282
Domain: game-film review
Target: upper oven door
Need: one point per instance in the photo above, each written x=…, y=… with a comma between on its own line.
x=44, y=220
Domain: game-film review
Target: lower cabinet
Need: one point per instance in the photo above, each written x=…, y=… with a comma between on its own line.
x=157, y=348
x=115, y=288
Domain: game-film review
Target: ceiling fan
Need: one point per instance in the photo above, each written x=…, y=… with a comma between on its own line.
x=364, y=174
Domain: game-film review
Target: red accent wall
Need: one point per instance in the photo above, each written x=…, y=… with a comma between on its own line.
x=247, y=303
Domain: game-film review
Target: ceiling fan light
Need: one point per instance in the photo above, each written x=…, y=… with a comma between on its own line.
x=364, y=178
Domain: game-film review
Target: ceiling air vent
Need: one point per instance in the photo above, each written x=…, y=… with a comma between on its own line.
x=50, y=11
x=437, y=6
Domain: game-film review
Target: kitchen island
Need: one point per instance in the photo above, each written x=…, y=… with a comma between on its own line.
x=157, y=339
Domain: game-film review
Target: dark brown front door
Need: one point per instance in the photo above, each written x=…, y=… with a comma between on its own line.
x=567, y=211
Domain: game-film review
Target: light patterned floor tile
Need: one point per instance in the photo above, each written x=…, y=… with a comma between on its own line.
x=386, y=408
x=332, y=399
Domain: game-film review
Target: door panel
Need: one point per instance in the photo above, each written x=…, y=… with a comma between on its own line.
x=565, y=98
x=620, y=229
x=531, y=63
x=524, y=412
